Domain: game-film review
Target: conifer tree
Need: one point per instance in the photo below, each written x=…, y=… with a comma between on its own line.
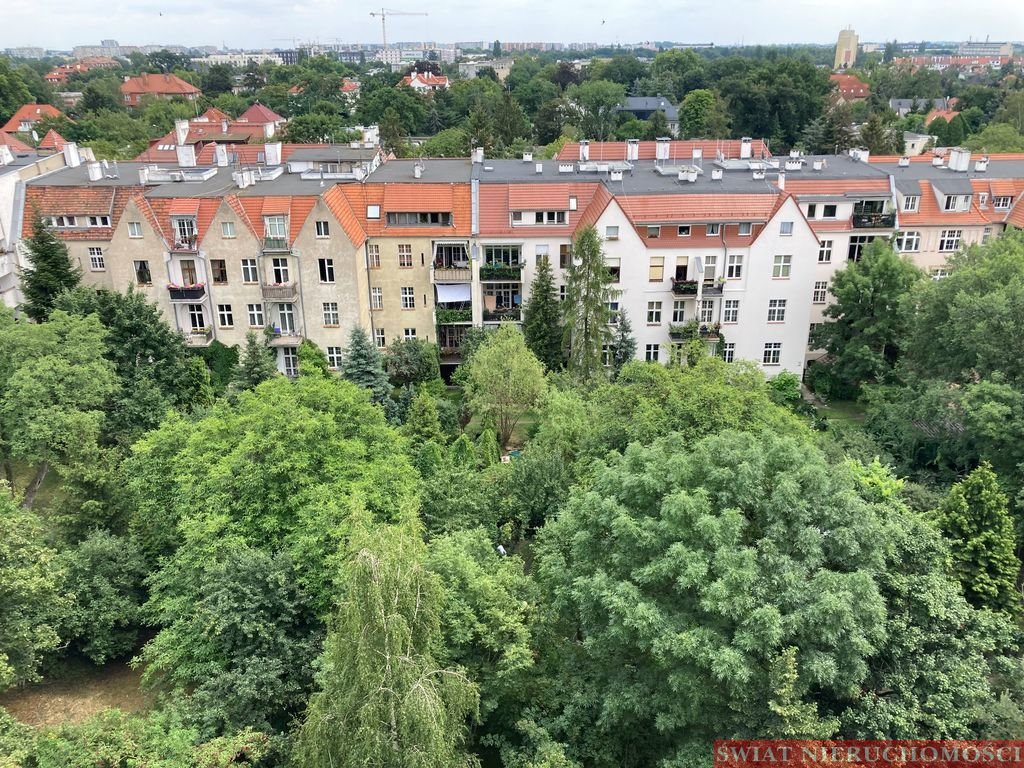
x=422, y=423
x=256, y=364
x=624, y=344
x=312, y=360
x=975, y=518
x=487, y=448
x=542, y=318
x=462, y=452
x=364, y=366
x=585, y=309
x=51, y=271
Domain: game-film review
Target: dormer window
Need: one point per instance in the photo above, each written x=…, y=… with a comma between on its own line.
x=425, y=219
x=63, y=221
x=958, y=202
x=911, y=203
x=275, y=227
x=549, y=217
x=1002, y=202
x=99, y=221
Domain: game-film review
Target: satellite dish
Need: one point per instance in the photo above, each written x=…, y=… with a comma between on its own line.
x=35, y=136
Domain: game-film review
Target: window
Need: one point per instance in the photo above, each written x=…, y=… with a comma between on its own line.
x=196, y=318
x=707, y=310
x=820, y=291
x=983, y=199
x=405, y=255
x=613, y=312
x=731, y=311
x=606, y=355
x=286, y=317
x=541, y=253
x=653, y=312
x=185, y=230
x=249, y=272
x=911, y=202
x=986, y=235
x=142, y=274
x=653, y=233
x=408, y=298
x=656, y=270
x=572, y=203
x=745, y=229
x=227, y=229
x=219, y=270
x=908, y=242
x=782, y=266
x=734, y=266
x=96, y=262
x=280, y=269
x=330, y=313
x=255, y=315
x=517, y=217
x=225, y=317
x=1002, y=202
x=409, y=333
x=611, y=233
x=713, y=230
x=683, y=230
x=373, y=256
x=549, y=217
x=825, y=252
x=776, y=310
x=275, y=226
x=772, y=353
x=189, y=276
x=334, y=358
x=104, y=221
x=710, y=267
x=507, y=255
x=729, y=351
x=564, y=255
x=291, y=361
x=63, y=221
x=373, y=212
x=326, y=270
x=376, y=298
x=134, y=229
x=379, y=338
x=938, y=273
x=957, y=202
x=679, y=311
x=812, y=210
x=786, y=228
x=857, y=243
x=651, y=353
x=323, y=229
x=562, y=292
x=426, y=219
x=950, y=240
x=828, y=211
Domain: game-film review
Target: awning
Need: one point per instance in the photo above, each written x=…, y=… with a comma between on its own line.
x=451, y=292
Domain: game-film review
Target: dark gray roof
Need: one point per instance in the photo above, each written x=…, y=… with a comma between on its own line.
x=953, y=185
x=333, y=153
x=437, y=170
x=650, y=104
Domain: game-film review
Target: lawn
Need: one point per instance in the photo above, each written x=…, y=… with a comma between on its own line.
x=843, y=412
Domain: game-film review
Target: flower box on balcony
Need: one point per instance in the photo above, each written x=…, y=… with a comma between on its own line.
x=684, y=287
x=186, y=292
x=501, y=271
x=449, y=316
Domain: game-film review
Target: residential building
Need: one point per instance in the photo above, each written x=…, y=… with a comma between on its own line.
x=916, y=143
x=136, y=89
x=642, y=107
x=25, y=119
x=904, y=107
x=425, y=82
x=501, y=67
x=986, y=48
x=850, y=88
x=240, y=60
x=846, y=49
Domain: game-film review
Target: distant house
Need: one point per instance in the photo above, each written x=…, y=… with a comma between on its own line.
x=501, y=67
x=915, y=143
x=850, y=88
x=261, y=115
x=51, y=143
x=24, y=119
x=945, y=114
x=642, y=107
x=903, y=107
x=135, y=89
x=425, y=82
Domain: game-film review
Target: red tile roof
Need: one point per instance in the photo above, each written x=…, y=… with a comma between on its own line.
x=161, y=209
x=163, y=85
x=681, y=149
x=348, y=85
x=16, y=144
x=851, y=86
x=341, y=207
x=945, y=114
x=52, y=140
x=214, y=114
x=297, y=208
x=495, y=206
x=425, y=80
x=711, y=208
x=31, y=113
x=929, y=213
x=248, y=154
x=806, y=184
x=77, y=201
x=401, y=197
x=259, y=113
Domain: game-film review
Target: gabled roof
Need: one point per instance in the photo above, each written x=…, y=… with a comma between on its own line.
x=214, y=114
x=650, y=104
x=851, y=86
x=681, y=149
x=248, y=154
x=425, y=80
x=52, y=140
x=945, y=114
x=260, y=113
x=399, y=197
x=929, y=213
x=159, y=84
x=16, y=144
x=159, y=211
x=30, y=113
x=77, y=201
x=497, y=201
x=296, y=207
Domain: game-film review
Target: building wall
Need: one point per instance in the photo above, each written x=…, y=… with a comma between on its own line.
x=390, y=278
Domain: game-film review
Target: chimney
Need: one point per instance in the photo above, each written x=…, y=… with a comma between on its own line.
x=143, y=176
x=746, y=148
x=959, y=159
x=717, y=174
x=937, y=160
x=186, y=155
x=417, y=170
x=818, y=165
x=527, y=157
x=223, y=126
x=981, y=164
x=903, y=162
x=72, y=159
x=272, y=153
x=95, y=171
x=478, y=154
x=633, y=149
x=661, y=148
x=781, y=183
x=220, y=154
x=698, y=155
x=616, y=176
x=180, y=131
x=584, y=150
x=539, y=168
x=6, y=156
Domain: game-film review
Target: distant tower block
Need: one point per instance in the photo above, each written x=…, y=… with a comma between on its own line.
x=846, y=49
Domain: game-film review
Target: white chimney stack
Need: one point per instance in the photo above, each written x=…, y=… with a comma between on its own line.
x=539, y=168
x=143, y=176
x=782, y=181
x=272, y=153
x=180, y=131
x=584, y=150
x=717, y=174
x=527, y=157
x=223, y=126
x=959, y=159
x=417, y=171
x=633, y=149
x=661, y=148
x=72, y=159
x=478, y=155
x=220, y=154
x=95, y=171
x=698, y=153
x=186, y=155
x=746, y=148
x=981, y=164
x=937, y=160
x=904, y=162
x=6, y=156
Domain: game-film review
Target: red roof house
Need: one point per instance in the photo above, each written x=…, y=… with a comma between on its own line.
x=850, y=87
x=425, y=82
x=26, y=117
x=134, y=89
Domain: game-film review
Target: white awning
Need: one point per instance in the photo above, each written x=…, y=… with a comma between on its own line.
x=449, y=292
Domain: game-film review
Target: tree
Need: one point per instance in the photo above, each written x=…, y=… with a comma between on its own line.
x=218, y=79
x=312, y=360
x=510, y=121
x=32, y=601
x=657, y=126
x=363, y=366
x=452, y=142
x=585, y=309
x=879, y=138
x=256, y=364
x=956, y=131
x=13, y=91
x=392, y=132
x=975, y=518
x=594, y=107
x=412, y=361
x=623, y=344
x=317, y=128
x=504, y=380
x=496, y=49
x=422, y=424
x=542, y=316
x=869, y=319
x=480, y=129
x=701, y=116
x=996, y=137
x=383, y=698
x=939, y=128
x=51, y=271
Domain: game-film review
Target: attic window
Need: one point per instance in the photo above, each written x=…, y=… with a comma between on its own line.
x=166, y=147
x=99, y=221
x=910, y=203
x=373, y=211
x=63, y=221
x=1002, y=202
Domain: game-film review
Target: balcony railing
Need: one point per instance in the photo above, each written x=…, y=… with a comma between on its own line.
x=190, y=293
x=510, y=314
x=712, y=289
x=450, y=316
x=275, y=244
x=199, y=337
x=501, y=271
x=874, y=220
x=188, y=244
x=684, y=287
x=285, y=337
x=280, y=291
x=453, y=274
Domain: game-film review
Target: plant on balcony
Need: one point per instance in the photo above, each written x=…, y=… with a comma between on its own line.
x=684, y=331
x=684, y=286
x=448, y=316
x=500, y=271
x=184, y=286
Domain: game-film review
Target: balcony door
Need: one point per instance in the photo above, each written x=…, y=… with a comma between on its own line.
x=286, y=316
x=189, y=276
x=185, y=230
x=280, y=271
x=196, y=317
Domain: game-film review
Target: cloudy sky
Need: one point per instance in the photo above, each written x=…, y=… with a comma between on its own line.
x=270, y=23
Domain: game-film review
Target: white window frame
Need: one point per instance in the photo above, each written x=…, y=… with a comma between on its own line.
x=820, y=292
x=334, y=358
x=227, y=230
x=408, y=296
x=745, y=229
x=611, y=232
x=652, y=353
x=908, y=242
x=405, y=255
x=782, y=267
x=325, y=267
x=225, y=316
x=785, y=229
x=135, y=230
x=949, y=240
x=713, y=230
x=911, y=203
x=409, y=334
x=331, y=315
x=731, y=311
x=323, y=229
x=654, y=313
x=99, y=221
x=653, y=231
x=776, y=310
x=825, y=251
x=683, y=230
x=256, y=317
x=250, y=268
x=275, y=227
x=729, y=351
x=373, y=255
x=734, y=266
x=97, y=263
x=772, y=354
x=679, y=310
x=707, y=310
x=1002, y=202
x=379, y=338
x=376, y=297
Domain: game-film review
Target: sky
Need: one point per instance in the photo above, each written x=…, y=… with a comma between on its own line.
x=254, y=24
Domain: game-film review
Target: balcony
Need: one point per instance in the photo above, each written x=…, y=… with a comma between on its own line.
x=713, y=289
x=501, y=272
x=453, y=275
x=285, y=337
x=874, y=220
x=188, y=244
x=452, y=316
x=275, y=244
x=684, y=287
x=199, y=337
x=507, y=314
x=280, y=291
x=189, y=293
x=710, y=332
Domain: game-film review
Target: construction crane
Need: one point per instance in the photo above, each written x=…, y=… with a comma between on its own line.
x=384, y=13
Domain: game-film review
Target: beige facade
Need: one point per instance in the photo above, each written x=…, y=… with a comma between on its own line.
x=846, y=49
x=396, y=284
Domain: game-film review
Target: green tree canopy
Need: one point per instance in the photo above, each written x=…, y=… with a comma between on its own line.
x=585, y=309
x=363, y=365
x=50, y=272
x=542, y=318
